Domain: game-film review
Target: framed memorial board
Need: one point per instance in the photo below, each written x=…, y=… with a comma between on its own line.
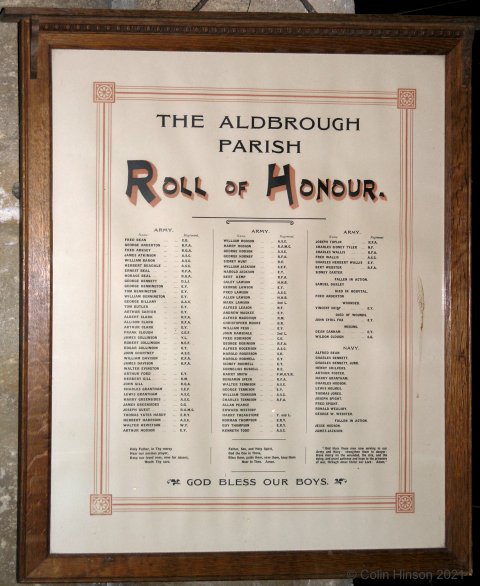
x=245, y=329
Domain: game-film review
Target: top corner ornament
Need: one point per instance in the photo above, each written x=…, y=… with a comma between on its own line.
x=104, y=91
x=406, y=98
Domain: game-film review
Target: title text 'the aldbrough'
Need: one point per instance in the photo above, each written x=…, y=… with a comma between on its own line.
x=265, y=123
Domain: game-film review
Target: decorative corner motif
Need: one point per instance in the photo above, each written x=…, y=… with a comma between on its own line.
x=405, y=502
x=104, y=91
x=100, y=504
x=406, y=98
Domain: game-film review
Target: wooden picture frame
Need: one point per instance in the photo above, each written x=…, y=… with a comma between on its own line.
x=42, y=31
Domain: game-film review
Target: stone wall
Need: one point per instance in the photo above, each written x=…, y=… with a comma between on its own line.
x=9, y=235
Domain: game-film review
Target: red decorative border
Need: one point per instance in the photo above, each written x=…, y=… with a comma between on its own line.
x=103, y=299
x=105, y=94
x=407, y=98
x=100, y=504
x=405, y=502
x=281, y=96
x=406, y=302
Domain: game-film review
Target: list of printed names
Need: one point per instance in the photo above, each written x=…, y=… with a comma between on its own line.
x=253, y=333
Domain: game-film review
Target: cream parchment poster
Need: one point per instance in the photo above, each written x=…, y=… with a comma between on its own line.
x=247, y=301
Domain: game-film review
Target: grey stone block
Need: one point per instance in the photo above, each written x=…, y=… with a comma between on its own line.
x=165, y=4
x=9, y=286
x=255, y=5
x=57, y=3
x=123, y=4
x=337, y=6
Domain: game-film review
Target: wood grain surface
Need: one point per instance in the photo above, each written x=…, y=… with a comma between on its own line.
x=42, y=30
